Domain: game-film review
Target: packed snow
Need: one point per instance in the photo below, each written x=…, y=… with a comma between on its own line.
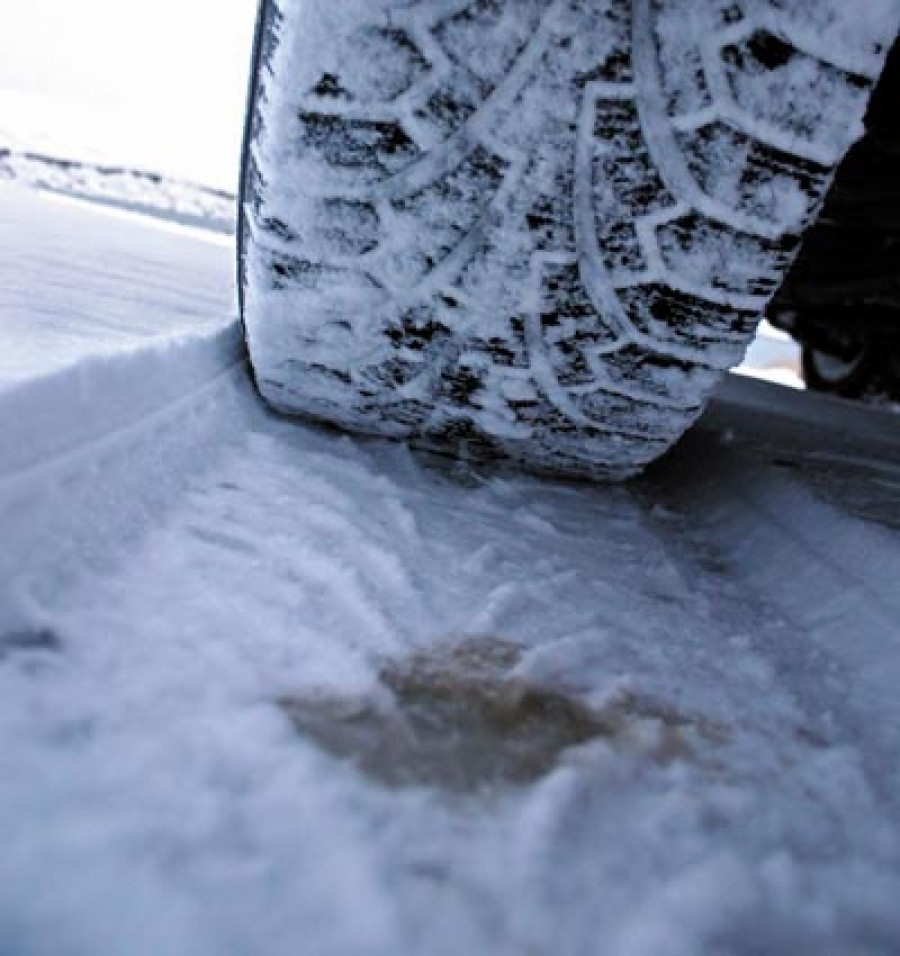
x=224, y=636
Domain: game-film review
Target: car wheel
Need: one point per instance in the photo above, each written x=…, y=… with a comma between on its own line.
x=542, y=228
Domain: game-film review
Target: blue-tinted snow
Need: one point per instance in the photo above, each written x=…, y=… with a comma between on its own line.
x=192, y=561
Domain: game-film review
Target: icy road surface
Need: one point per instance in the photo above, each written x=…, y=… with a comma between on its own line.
x=266, y=689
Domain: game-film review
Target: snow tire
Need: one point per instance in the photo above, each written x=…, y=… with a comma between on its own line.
x=542, y=228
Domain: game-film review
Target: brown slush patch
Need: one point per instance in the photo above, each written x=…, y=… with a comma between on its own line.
x=461, y=720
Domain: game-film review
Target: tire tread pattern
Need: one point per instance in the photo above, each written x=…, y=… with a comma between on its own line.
x=543, y=227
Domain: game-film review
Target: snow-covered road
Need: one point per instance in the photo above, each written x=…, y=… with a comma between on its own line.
x=270, y=689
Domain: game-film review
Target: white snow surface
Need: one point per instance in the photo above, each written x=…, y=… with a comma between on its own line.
x=44, y=327
x=176, y=560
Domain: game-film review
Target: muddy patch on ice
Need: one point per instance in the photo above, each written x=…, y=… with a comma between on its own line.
x=461, y=719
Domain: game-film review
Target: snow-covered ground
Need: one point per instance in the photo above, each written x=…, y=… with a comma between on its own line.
x=268, y=689
x=120, y=187
x=46, y=327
